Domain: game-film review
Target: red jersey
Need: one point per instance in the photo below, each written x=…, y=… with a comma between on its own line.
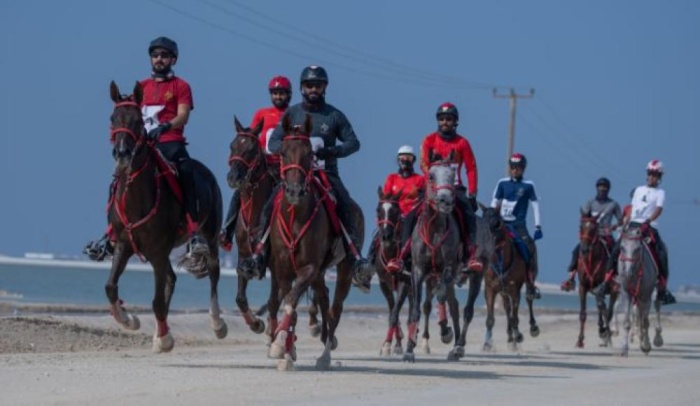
x=271, y=116
x=463, y=156
x=160, y=101
x=410, y=188
x=626, y=211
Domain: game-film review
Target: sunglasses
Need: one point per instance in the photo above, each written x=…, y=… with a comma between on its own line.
x=313, y=85
x=162, y=55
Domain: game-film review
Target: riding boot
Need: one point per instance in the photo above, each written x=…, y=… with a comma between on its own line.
x=604, y=287
x=662, y=293
x=197, y=245
x=226, y=234
x=256, y=264
x=471, y=262
x=570, y=283
x=362, y=273
x=100, y=249
x=532, y=292
x=373, y=248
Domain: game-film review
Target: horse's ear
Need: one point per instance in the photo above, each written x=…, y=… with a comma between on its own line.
x=138, y=93
x=451, y=157
x=380, y=192
x=237, y=124
x=114, y=92
x=258, y=128
x=308, y=125
x=398, y=196
x=285, y=124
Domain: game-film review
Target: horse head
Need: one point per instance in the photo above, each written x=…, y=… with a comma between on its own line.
x=630, y=248
x=496, y=226
x=127, y=130
x=297, y=160
x=246, y=154
x=588, y=231
x=441, y=183
x=388, y=215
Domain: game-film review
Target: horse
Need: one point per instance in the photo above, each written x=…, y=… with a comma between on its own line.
x=592, y=257
x=303, y=244
x=436, y=251
x=248, y=172
x=147, y=218
x=636, y=275
x=505, y=274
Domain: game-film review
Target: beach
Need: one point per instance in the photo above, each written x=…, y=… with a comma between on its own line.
x=62, y=356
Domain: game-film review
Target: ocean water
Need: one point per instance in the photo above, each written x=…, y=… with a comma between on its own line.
x=76, y=286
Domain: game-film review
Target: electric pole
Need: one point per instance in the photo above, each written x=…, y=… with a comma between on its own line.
x=511, y=126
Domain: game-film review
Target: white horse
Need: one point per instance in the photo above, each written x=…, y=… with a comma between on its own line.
x=637, y=274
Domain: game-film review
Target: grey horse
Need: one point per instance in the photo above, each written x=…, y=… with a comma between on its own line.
x=436, y=249
x=636, y=274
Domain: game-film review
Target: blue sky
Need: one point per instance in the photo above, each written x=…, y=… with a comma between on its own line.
x=616, y=85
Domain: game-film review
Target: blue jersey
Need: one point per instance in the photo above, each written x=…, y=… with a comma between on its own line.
x=513, y=197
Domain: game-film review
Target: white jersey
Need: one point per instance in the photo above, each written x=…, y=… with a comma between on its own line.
x=644, y=203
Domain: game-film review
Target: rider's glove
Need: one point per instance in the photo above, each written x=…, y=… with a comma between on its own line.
x=471, y=198
x=324, y=153
x=156, y=132
x=538, y=233
x=644, y=228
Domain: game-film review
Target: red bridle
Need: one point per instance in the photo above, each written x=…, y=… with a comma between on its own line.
x=114, y=131
x=307, y=174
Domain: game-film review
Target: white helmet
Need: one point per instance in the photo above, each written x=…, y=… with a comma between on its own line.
x=406, y=150
x=655, y=166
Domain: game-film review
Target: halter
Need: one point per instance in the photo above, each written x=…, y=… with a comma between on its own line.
x=114, y=131
x=380, y=222
x=307, y=174
x=253, y=164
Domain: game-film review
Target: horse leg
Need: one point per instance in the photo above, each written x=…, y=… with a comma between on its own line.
x=626, y=305
x=162, y=339
x=398, y=334
x=427, y=309
x=517, y=335
x=582, y=291
x=342, y=289
x=285, y=335
x=508, y=305
x=457, y=350
x=314, y=327
x=217, y=323
x=255, y=324
x=324, y=362
x=644, y=343
x=489, y=295
x=273, y=306
x=414, y=312
x=389, y=297
x=611, y=315
x=658, y=339
x=122, y=253
x=603, y=323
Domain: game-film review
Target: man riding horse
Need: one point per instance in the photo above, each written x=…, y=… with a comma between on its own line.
x=280, y=89
x=442, y=142
x=410, y=187
x=511, y=198
x=329, y=126
x=647, y=206
x=167, y=102
x=603, y=208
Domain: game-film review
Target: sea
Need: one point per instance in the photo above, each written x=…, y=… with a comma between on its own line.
x=76, y=283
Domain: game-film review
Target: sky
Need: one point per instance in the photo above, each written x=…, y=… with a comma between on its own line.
x=615, y=83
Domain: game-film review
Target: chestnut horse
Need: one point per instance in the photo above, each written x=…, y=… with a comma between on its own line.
x=303, y=244
x=592, y=257
x=505, y=274
x=148, y=219
x=248, y=172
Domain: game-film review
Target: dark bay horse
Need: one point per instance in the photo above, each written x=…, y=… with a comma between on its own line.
x=637, y=275
x=303, y=245
x=593, y=255
x=436, y=251
x=248, y=172
x=505, y=274
x=148, y=219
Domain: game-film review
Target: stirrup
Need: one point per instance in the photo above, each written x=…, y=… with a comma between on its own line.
x=533, y=293
x=665, y=297
x=568, y=285
x=99, y=250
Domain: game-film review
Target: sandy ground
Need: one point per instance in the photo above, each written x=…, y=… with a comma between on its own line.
x=81, y=358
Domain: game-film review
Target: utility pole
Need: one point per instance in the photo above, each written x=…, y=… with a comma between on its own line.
x=511, y=126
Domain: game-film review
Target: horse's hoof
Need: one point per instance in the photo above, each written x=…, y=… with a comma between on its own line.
x=456, y=354
x=425, y=347
x=221, y=331
x=658, y=340
x=519, y=338
x=323, y=363
x=258, y=327
x=409, y=357
x=334, y=343
x=513, y=346
x=133, y=323
x=534, y=331
x=448, y=336
x=579, y=344
x=285, y=364
x=645, y=346
x=315, y=330
x=386, y=349
x=277, y=348
x=163, y=344
x=398, y=350
x=488, y=347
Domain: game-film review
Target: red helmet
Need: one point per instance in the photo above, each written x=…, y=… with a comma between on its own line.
x=447, y=108
x=655, y=166
x=517, y=160
x=280, y=83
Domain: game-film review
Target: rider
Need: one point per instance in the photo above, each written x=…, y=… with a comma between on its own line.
x=166, y=106
x=329, y=126
x=511, y=198
x=444, y=141
x=409, y=186
x=280, y=89
x=647, y=206
x=604, y=209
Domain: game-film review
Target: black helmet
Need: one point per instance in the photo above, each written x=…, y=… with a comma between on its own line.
x=165, y=43
x=517, y=160
x=448, y=108
x=314, y=73
x=603, y=182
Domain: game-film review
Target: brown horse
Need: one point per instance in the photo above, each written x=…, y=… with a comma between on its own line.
x=303, y=245
x=505, y=274
x=248, y=172
x=593, y=255
x=148, y=219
